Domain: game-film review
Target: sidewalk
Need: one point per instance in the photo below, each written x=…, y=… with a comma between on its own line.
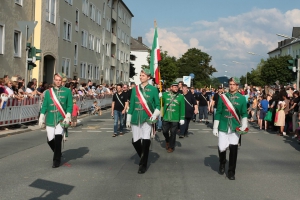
x=32, y=126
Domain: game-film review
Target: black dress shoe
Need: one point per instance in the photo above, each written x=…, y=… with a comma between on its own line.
x=231, y=176
x=55, y=165
x=221, y=169
x=142, y=169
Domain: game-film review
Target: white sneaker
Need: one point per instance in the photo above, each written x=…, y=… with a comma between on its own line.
x=295, y=136
x=284, y=133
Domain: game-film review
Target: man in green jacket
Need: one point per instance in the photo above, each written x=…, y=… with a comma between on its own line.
x=143, y=110
x=58, y=106
x=174, y=112
x=226, y=126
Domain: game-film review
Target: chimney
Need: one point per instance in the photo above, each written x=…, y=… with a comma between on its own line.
x=140, y=39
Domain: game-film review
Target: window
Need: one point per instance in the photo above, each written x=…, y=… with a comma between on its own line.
x=119, y=33
x=51, y=10
x=85, y=7
x=75, y=54
x=107, y=49
x=90, y=71
x=96, y=73
x=77, y=20
x=2, y=38
x=104, y=8
x=92, y=13
x=65, y=66
x=84, y=38
x=67, y=30
x=102, y=61
x=98, y=45
x=91, y=42
x=19, y=2
x=17, y=44
x=83, y=70
x=98, y=17
x=108, y=24
x=103, y=35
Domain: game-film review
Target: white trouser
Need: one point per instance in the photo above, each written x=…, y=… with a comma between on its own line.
x=225, y=139
x=141, y=132
x=52, y=131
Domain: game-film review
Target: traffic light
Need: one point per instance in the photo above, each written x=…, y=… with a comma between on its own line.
x=291, y=64
x=32, y=57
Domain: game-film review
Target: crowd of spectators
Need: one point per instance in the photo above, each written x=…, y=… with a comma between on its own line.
x=17, y=88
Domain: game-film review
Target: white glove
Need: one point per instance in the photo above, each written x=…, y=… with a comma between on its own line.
x=128, y=121
x=41, y=120
x=215, y=128
x=244, y=124
x=181, y=122
x=160, y=95
x=155, y=114
x=67, y=119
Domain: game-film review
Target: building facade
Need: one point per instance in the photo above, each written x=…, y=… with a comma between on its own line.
x=12, y=39
x=85, y=39
x=138, y=58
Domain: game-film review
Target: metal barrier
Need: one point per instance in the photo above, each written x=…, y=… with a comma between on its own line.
x=17, y=111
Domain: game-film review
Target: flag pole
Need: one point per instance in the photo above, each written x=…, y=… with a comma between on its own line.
x=159, y=77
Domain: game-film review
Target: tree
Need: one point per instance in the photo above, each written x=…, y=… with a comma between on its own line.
x=168, y=68
x=197, y=62
x=277, y=69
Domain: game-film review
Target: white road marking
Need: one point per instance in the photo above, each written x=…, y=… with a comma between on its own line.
x=94, y=131
x=74, y=131
x=105, y=128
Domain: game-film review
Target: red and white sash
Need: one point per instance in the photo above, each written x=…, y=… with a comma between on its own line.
x=143, y=101
x=230, y=107
x=56, y=103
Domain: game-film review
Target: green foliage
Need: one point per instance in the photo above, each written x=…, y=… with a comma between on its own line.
x=277, y=69
x=168, y=68
x=197, y=62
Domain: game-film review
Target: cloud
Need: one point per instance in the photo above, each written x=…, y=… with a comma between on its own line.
x=230, y=38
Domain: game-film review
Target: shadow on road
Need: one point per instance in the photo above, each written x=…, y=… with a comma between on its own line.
x=162, y=141
x=52, y=189
x=73, y=154
x=292, y=142
x=213, y=162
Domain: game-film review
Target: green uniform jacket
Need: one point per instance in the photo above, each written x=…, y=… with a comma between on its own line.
x=138, y=114
x=224, y=116
x=176, y=110
x=64, y=96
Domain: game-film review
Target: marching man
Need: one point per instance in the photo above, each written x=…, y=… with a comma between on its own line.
x=143, y=111
x=230, y=121
x=58, y=106
x=174, y=113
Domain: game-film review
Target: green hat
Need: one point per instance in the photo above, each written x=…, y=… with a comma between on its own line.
x=174, y=84
x=61, y=75
x=236, y=80
x=146, y=71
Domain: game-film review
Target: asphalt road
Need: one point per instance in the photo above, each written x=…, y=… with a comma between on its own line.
x=98, y=166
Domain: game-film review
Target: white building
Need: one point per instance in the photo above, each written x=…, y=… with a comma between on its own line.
x=139, y=57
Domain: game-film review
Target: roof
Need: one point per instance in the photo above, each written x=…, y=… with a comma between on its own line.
x=126, y=7
x=137, y=45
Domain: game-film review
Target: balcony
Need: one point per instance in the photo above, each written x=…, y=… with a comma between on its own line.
x=113, y=38
x=113, y=62
x=114, y=15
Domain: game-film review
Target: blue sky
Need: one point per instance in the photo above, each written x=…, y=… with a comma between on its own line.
x=225, y=29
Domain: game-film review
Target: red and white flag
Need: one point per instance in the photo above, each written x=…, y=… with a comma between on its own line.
x=155, y=58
